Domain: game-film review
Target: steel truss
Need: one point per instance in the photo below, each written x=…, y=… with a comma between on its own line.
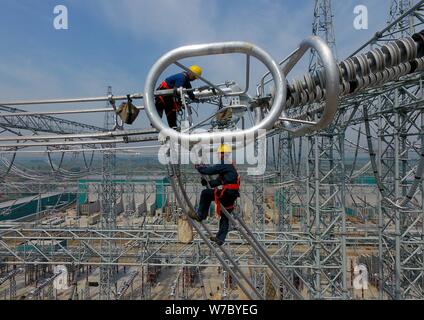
x=108, y=215
x=41, y=123
x=315, y=182
x=84, y=246
x=388, y=122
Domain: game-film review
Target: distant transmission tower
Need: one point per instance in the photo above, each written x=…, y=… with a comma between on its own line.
x=108, y=212
x=397, y=9
x=326, y=189
x=322, y=26
x=398, y=258
x=321, y=204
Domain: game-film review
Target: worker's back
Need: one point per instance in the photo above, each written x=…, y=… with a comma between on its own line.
x=229, y=176
x=178, y=80
x=228, y=173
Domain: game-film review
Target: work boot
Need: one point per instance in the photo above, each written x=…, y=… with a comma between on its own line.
x=193, y=215
x=217, y=241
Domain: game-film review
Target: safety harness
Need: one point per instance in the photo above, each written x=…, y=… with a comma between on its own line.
x=175, y=106
x=219, y=193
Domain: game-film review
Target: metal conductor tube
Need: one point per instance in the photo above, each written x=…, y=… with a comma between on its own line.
x=331, y=79
x=215, y=49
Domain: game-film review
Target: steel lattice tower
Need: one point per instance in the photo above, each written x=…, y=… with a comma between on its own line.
x=289, y=162
x=401, y=266
x=319, y=184
x=258, y=213
x=397, y=9
x=325, y=184
x=108, y=213
x=322, y=26
x=323, y=199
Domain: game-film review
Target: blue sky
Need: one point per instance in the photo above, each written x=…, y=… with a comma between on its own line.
x=113, y=42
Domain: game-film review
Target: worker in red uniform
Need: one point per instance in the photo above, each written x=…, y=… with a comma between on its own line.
x=170, y=104
x=229, y=180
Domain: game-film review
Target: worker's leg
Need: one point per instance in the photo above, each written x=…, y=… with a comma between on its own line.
x=206, y=197
x=159, y=107
x=223, y=227
x=227, y=200
x=172, y=118
x=171, y=114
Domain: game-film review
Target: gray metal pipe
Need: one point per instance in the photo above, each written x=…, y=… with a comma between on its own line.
x=184, y=203
x=110, y=134
x=214, y=49
x=45, y=113
x=332, y=80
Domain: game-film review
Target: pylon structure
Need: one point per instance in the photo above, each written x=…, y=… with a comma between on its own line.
x=107, y=281
x=397, y=131
x=349, y=195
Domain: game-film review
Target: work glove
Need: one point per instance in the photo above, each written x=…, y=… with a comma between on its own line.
x=204, y=182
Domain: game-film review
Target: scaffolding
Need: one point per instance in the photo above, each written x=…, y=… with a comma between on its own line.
x=347, y=145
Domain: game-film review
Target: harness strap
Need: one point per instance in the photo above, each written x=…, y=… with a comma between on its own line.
x=219, y=193
x=175, y=107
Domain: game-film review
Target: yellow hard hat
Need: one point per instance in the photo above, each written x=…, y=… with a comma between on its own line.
x=224, y=148
x=196, y=70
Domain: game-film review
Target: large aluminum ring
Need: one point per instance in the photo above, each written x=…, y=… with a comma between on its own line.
x=215, y=49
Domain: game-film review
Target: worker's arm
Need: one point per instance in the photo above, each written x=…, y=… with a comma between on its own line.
x=212, y=183
x=215, y=183
x=187, y=85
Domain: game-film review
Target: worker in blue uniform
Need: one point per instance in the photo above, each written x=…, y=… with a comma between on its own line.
x=171, y=104
x=229, y=181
